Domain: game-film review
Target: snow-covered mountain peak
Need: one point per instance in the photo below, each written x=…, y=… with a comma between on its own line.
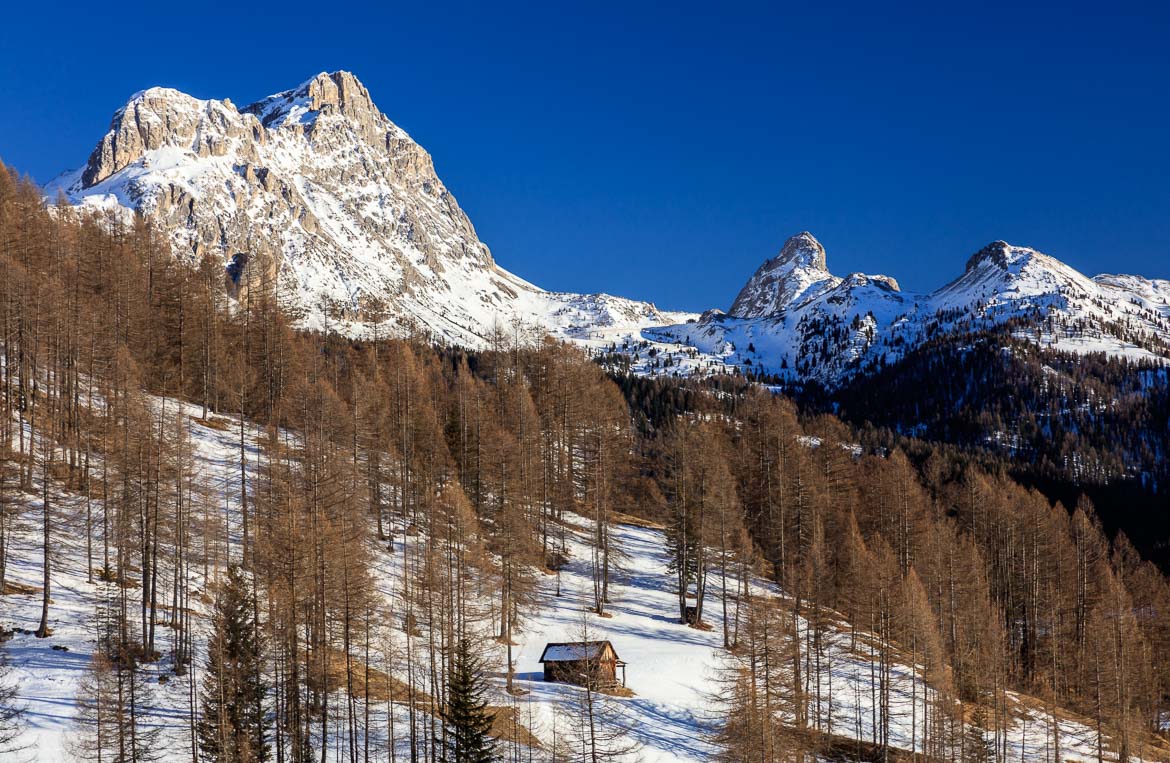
x=159, y=93
x=798, y=276
x=1019, y=261
x=1001, y=275
x=163, y=118
x=999, y=253
x=335, y=207
x=799, y=271
x=796, y=320
x=803, y=251
x=338, y=93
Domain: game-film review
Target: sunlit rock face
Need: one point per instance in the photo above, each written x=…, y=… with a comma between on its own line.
x=331, y=204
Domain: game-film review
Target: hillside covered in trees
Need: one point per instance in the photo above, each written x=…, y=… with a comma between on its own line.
x=389, y=520
x=1070, y=423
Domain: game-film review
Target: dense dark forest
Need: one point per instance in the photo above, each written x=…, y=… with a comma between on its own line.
x=1068, y=424
x=931, y=556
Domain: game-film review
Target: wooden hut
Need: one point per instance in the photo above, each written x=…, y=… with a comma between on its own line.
x=584, y=663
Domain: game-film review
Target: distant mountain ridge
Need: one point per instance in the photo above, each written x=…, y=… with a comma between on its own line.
x=315, y=191
x=796, y=320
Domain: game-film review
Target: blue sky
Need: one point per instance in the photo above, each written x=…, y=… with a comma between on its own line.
x=664, y=151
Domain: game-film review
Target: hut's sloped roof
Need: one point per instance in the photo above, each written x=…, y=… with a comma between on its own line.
x=575, y=650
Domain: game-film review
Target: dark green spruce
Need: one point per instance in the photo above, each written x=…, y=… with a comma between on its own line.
x=466, y=718
x=231, y=725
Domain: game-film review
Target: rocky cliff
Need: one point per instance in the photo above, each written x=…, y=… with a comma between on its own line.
x=316, y=193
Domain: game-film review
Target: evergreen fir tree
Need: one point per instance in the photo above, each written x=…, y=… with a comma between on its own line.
x=466, y=717
x=231, y=725
x=11, y=711
x=977, y=748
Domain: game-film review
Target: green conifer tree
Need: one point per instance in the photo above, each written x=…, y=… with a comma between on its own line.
x=231, y=725
x=466, y=717
x=11, y=710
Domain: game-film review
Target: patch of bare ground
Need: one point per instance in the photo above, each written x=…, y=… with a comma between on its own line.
x=382, y=687
x=216, y=423
x=618, y=691
x=11, y=588
x=507, y=727
x=630, y=519
x=841, y=749
x=365, y=681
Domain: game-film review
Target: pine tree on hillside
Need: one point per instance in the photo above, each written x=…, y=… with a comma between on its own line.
x=11, y=711
x=466, y=717
x=977, y=748
x=231, y=726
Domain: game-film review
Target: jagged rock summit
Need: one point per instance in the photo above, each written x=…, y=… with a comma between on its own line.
x=802, y=250
x=997, y=253
x=799, y=270
x=315, y=192
x=161, y=118
x=797, y=275
x=340, y=93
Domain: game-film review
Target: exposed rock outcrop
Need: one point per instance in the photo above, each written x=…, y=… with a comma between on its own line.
x=315, y=192
x=798, y=271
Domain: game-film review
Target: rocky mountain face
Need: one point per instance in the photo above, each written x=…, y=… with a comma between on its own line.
x=315, y=192
x=798, y=273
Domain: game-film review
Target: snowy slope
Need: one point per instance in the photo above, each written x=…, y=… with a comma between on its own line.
x=329, y=202
x=673, y=670
x=48, y=671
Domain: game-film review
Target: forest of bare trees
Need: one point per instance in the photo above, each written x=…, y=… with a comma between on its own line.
x=472, y=467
